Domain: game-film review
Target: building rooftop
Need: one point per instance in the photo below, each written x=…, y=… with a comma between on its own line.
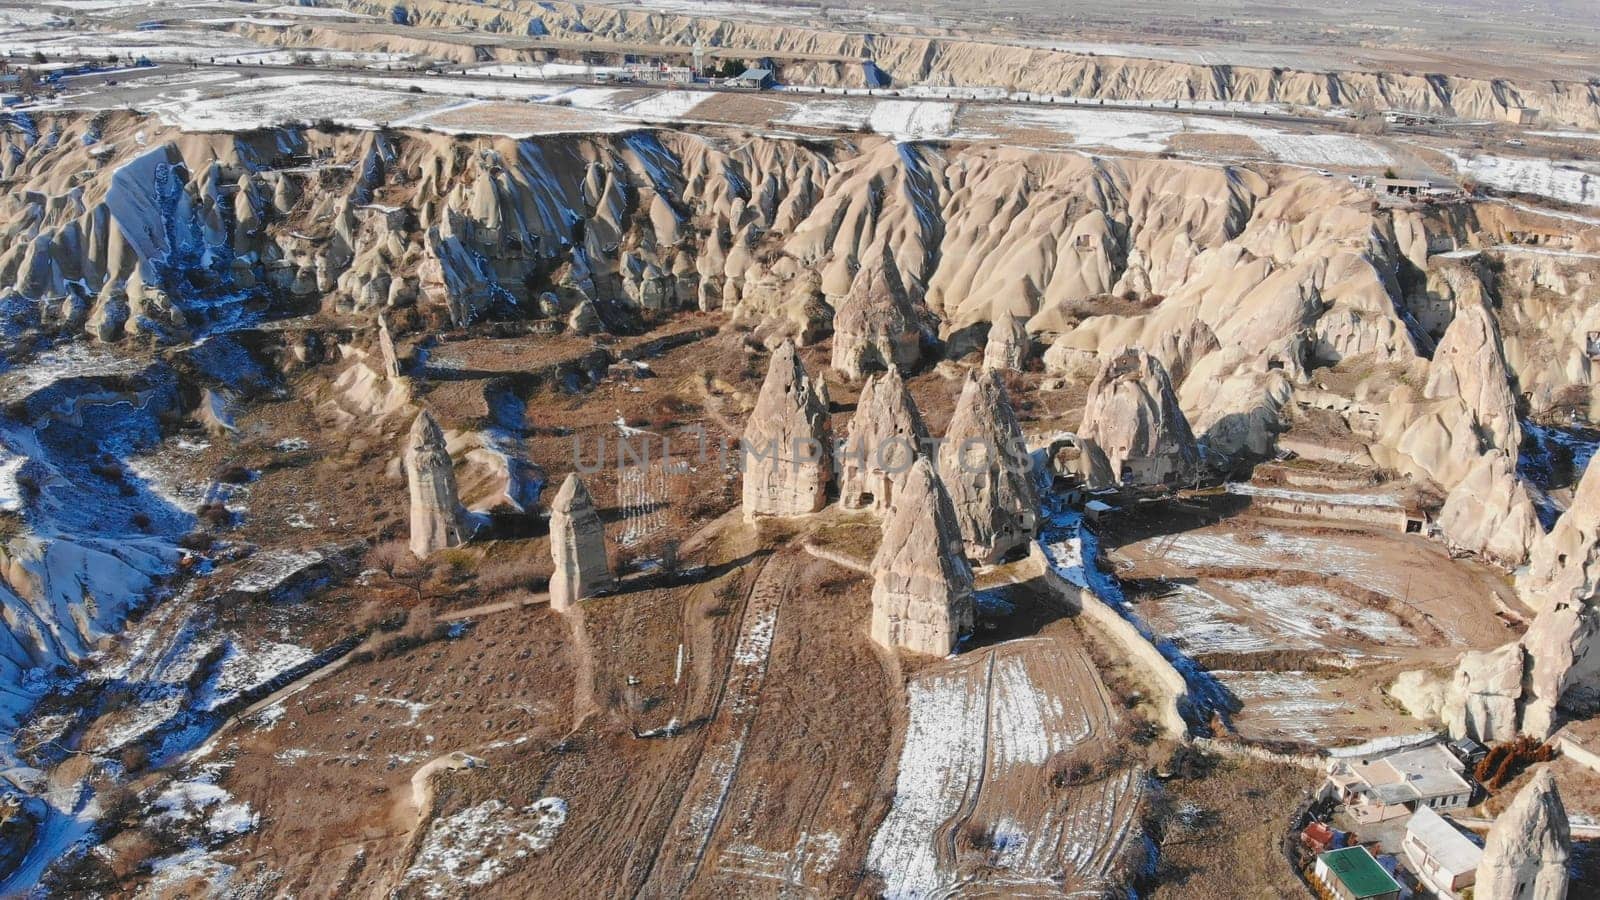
x=1451, y=849
x=1359, y=872
x=1413, y=775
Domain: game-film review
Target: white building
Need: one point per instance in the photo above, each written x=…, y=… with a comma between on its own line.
x=1391, y=786
x=1445, y=859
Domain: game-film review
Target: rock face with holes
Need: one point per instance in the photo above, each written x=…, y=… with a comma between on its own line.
x=921, y=585
x=1008, y=347
x=1133, y=431
x=885, y=437
x=578, y=546
x=438, y=521
x=985, y=466
x=787, y=458
x=1565, y=564
x=1525, y=856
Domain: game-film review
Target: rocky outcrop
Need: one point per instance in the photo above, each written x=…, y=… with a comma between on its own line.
x=1133, y=431
x=1563, y=646
x=985, y=466
x=578, y=547
x=885, y=437
x=1481, y=702
x=921, y=585
x=1490, y=512
x=1470, y=363
x=874, y=327
x=1525, y=856
x=438, y=521
x=1565, y=564
x=1008, y=347
x=786, y=453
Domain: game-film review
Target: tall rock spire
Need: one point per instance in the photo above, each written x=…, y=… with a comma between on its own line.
x=885, y=437
x=1525, y=856
x=578, y=545
x=438, y=520
x=984, y=465
x=921, y=585
x=786, y=456
x=1133, y=431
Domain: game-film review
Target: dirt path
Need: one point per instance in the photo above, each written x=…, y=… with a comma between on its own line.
x=702, y=804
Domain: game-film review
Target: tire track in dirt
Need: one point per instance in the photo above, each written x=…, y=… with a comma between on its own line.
x=678, y=860
x=977, y=809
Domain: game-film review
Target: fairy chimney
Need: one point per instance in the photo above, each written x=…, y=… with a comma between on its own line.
x=875, y=327
x=1525, y=855
x=578, y=545
x=785, y=448
x=885, y=437
x=1008, y=345
x=438, y=520
x=984, y=464
x=1133, y=431
x=921, y=585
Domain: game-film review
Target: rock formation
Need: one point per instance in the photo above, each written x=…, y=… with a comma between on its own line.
x=438, y=520
x=1481, y=702
x=985, y=467
x=1133, y=431
x=786, y=453
x=1563, y=646
x=921, y=586
x=885, y=437
x=1470, y=363
x=1565, y=564
x=1525, y=855
x=578, y=546
x=874, y=327
x=1008, y=347
x=1490, y=513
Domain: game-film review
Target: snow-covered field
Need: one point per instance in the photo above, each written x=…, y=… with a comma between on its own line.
x=981, y=734
x=470, y=849
x=1547, y=178
x=667, y=105
x=1303, y=149
x=1280, y=549
x=912, y=120
x=1116, y=129
x=1285, y=704
x=847, y=114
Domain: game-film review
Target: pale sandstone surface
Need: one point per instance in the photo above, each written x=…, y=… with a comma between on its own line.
x=578, y=547
x=921, y=584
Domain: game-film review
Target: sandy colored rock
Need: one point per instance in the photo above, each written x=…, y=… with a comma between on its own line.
x=985, y=467
x=1009, y=346
x=1481, y=701
x=874, y=327
x=585, y=319
x=1525, y=855
x=438, y=520
x=1470, y=363
x=921, y=585
x=1490, y=512
x=578, y=546
x=1564, y=565
x=786, y=444
x=886, y=435
x=1563, y=646
x=1133, y=431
